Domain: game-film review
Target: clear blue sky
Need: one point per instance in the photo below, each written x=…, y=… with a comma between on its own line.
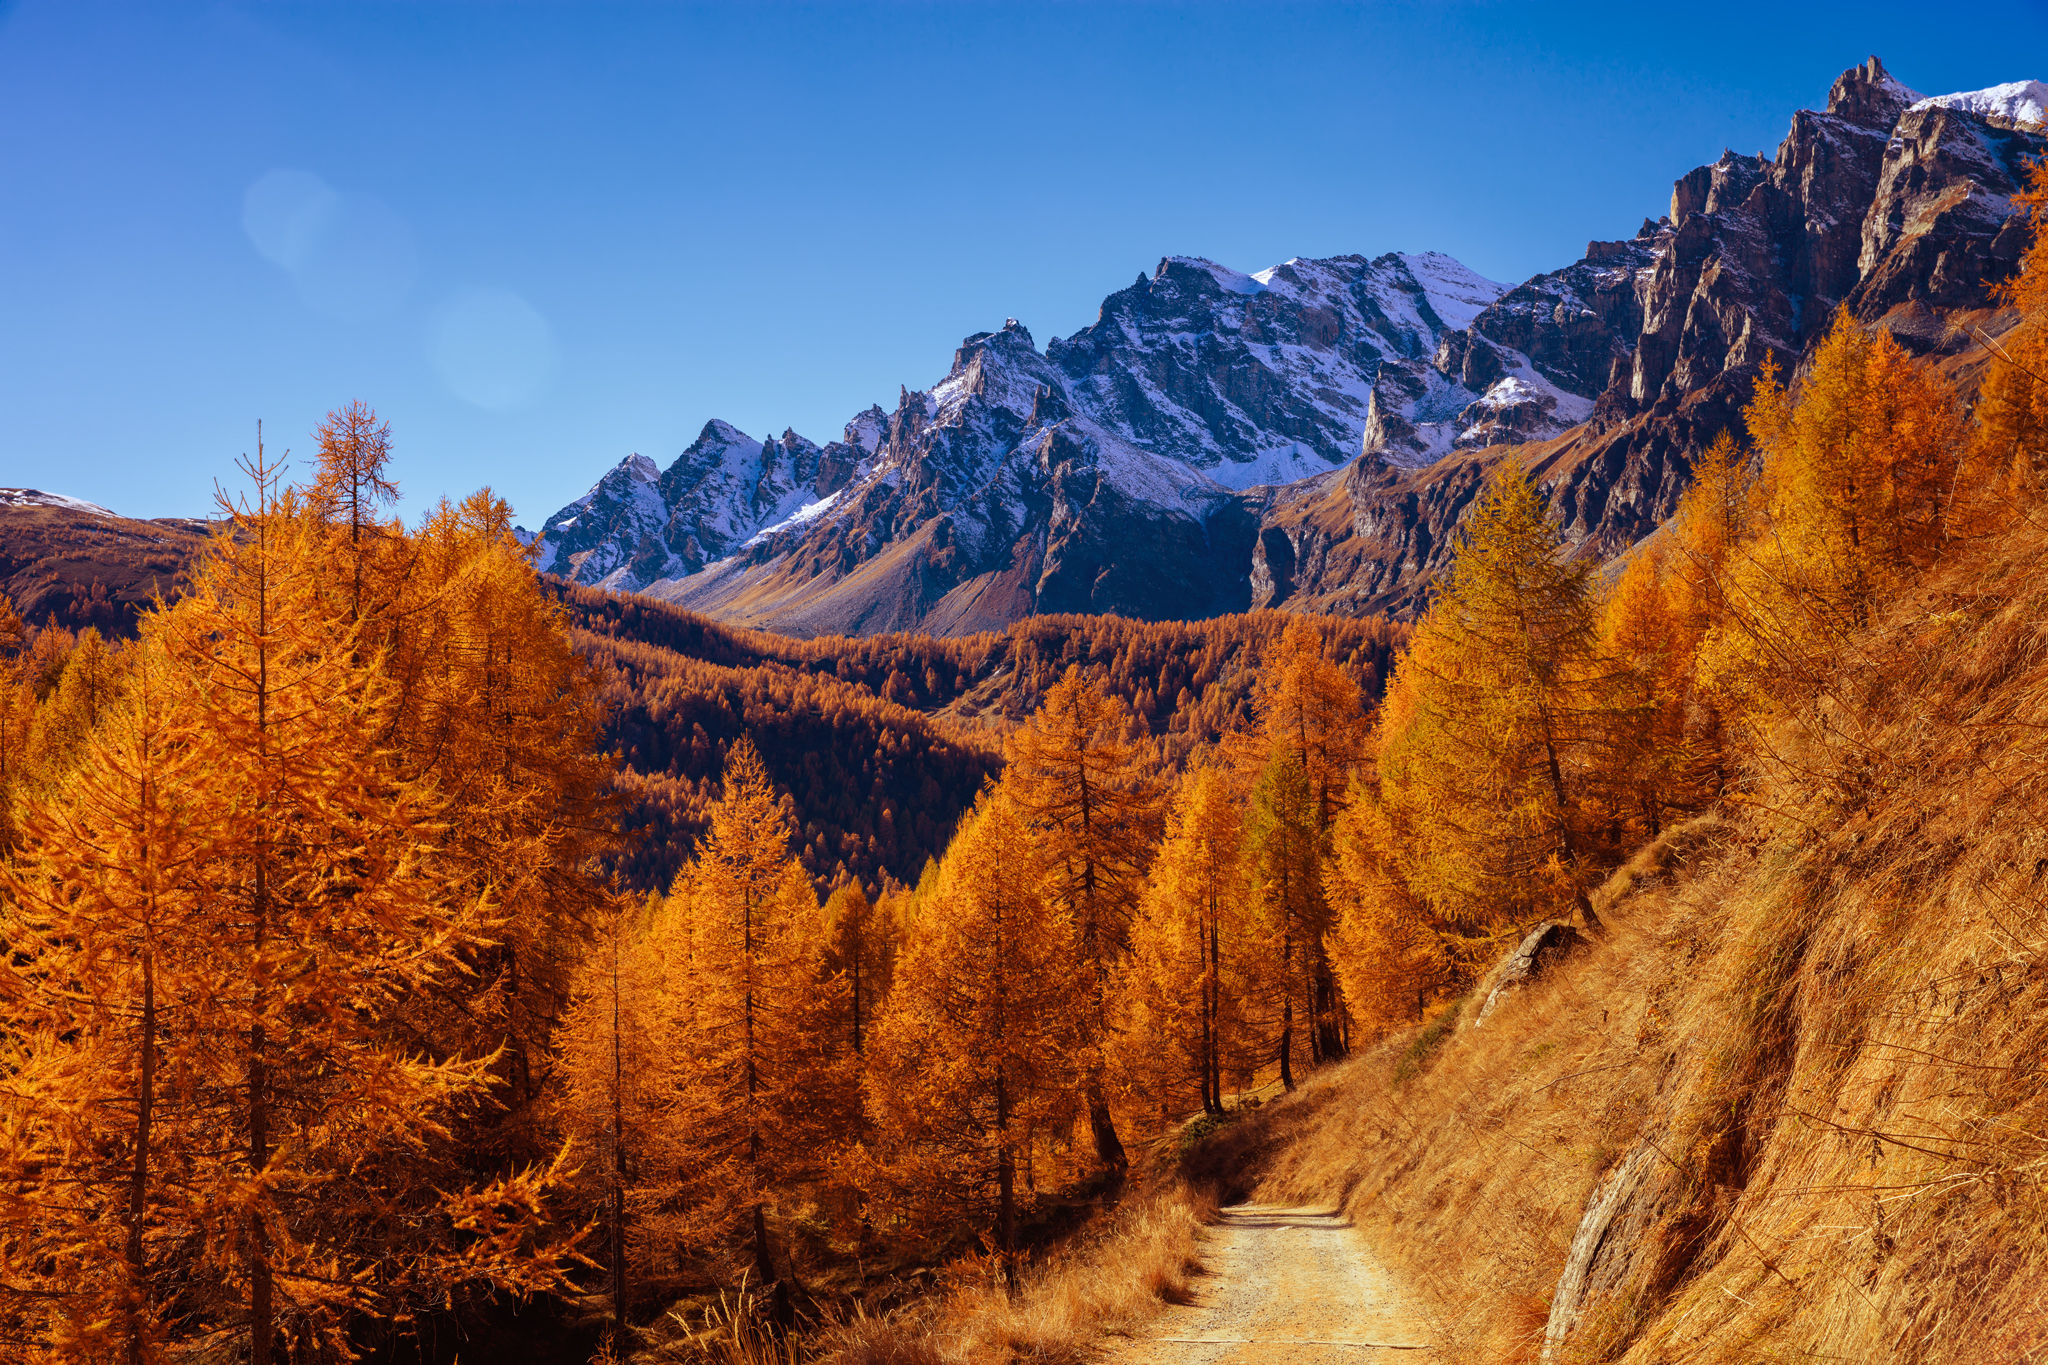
x=538, y=237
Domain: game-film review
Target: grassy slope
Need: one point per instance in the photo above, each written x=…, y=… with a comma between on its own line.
x=1803, y=1070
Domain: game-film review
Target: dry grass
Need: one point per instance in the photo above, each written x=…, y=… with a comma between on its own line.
x=1145, y=1258
x=1465, y=1154
x=1819, y=1025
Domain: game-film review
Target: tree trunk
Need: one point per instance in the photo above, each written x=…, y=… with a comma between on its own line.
x=261, y=1322
x=1565, y=837
x=1109, y=1148
x=1006, y=1181
x=1215, y=1015
x=1329, y=1013
x=858, y=948
x=261, y=1325
x=618, y=1199
x=764, y=1254
x=138, y=1181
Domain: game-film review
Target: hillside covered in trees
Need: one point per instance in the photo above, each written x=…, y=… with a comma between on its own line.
x=882, y=742
x=344, y=1013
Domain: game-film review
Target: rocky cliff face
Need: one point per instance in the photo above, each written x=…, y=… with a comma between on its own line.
x=641, y=523
x=1311, y=435
x=1104, y=473
x=1894, y=207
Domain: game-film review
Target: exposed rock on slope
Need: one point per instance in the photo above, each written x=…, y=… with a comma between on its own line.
x=1310, y=435
x=1899, y=210
x=81, y=565
x=1102, y=474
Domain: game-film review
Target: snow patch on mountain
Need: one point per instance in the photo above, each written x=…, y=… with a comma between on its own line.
x=2016, y=101
x=1230, y=281
x=809, y=512
x=1456, y=293
x=36, y=497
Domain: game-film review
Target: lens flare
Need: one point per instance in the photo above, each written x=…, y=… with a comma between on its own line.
x=493, y=349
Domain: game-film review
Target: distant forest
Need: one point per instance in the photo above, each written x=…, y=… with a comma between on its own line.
x=881, y=743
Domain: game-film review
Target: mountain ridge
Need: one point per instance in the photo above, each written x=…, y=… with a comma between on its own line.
x=1310, y=435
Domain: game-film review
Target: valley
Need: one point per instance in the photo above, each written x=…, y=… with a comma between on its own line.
x=1351, y=812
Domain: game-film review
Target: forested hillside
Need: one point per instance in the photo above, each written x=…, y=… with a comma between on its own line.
x=332, y=1027
x=881, y=742
x=1787, y=1104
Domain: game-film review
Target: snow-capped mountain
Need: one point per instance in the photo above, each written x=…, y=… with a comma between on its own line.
x=2015, y=102
x=640, y=523
x=36, y=497
x=1193, y=383
x=1311, y=433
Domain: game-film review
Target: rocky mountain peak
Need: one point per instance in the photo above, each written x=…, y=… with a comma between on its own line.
x=867, y=430
x=1310, y=434
x=1722, y=185
x=1867, y=95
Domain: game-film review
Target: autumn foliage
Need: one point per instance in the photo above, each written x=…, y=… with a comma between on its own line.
x=389, y=930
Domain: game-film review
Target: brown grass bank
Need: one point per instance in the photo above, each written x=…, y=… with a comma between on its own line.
x=1792, y=1107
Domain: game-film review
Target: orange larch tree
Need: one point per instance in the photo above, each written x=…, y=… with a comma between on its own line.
x=1092, y=814
x=351, y=487
x=622, y=1059
x=1312, y=713
x=770, y=1086
x=979, y=1039
x=328, y=910
x=1182, y=1021
x=101, y=1121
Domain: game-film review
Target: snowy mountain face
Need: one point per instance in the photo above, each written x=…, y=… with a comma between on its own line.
x=640, y=523
x=1267, y=378
x=1194, y=382
x=1308, y=434
x=36, y=497
x=2019, y=103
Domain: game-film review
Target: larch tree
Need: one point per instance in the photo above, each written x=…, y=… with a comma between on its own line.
x=861, y=942
x=1313, y=709
x=1858, y=470
x=771, y=1087
x=1641, y=627
x=351, y=486
x=100, y=1123
x=622, y=1060
x=84, y=689
x=1183, y=1027
x=2008, y=457
x=1854, y=499
x=496, y=710
x=1390, y=955
x=977, y=1043
x=1714, y=519
x=1074, y=779
x=1313, y=712
x=1510, y=749
x=1284, y=853
x=328, y=911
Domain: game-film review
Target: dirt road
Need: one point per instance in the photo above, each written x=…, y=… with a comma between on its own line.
x=1283, y=1285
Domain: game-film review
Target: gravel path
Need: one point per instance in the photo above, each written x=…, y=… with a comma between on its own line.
x=1292, y=1285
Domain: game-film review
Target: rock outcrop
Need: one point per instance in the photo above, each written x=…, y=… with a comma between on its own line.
x=1542, y=948
x=1896, y=208
x=1310, y=436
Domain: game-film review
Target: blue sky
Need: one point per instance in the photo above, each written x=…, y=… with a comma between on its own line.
x=538, y=237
